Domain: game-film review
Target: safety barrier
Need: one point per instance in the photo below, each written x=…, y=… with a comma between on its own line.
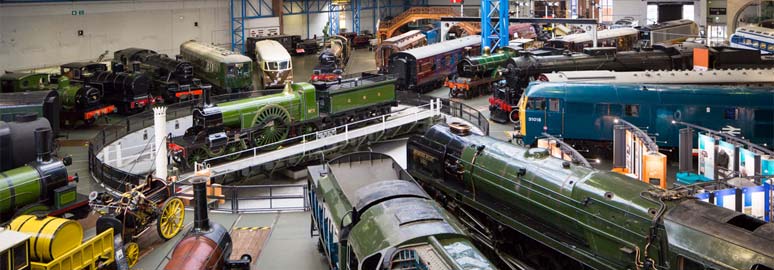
x=252, y=198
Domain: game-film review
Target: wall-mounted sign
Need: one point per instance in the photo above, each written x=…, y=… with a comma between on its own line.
x=717, y=11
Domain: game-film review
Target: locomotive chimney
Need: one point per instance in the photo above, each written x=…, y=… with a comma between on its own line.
x=43, y=144
x=206, y=98
x=201, y=221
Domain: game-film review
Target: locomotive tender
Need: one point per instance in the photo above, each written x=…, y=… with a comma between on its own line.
x=558, y=215
x=226, y=71
x=425, y=68
x=300, y=108
x=371, y=214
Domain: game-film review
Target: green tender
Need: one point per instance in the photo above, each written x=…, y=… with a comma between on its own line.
x=358, y=97
x=18, y=187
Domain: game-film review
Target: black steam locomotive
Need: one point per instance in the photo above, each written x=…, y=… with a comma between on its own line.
x=128, y=91
x=173, y=79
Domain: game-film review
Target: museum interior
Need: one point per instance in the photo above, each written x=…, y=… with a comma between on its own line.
x=387, y=134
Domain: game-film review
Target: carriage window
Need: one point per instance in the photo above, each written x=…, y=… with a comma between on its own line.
x=537, y=104
x=230, y=70
x=607, y=109
x=730, y=114
x=553, y=104
x=272, y=65
x=632, y=110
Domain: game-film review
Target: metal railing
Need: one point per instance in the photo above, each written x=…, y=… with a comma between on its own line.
x=119, y=180
x=251, y=198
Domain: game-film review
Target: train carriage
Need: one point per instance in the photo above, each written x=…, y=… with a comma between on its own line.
x=402, y=42
x=426, y=68
x=226, y=71
x=371, y=214
x=274, y=65
x=555, y=214
x=669, y=32
x=753, y=38
x=585, y=112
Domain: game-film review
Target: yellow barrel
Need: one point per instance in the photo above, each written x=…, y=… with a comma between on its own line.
x=50, y=236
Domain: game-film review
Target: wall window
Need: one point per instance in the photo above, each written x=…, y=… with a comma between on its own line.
x=606, y=12
x=688, y=12
x=632, y=110
x=652, y=14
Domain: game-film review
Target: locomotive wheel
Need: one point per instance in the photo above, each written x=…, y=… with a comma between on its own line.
x=197, y=155
x=171, y=219
x=234, y=147
x=132, y=254
x=273, y=124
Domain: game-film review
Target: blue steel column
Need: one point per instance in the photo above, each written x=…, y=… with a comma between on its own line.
x=356, y=16
x=373, y=14
x=333, y=19
x=494, y=35
x=307, y=6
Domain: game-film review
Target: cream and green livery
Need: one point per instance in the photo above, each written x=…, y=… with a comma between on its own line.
x=274, y=64
x=227, y=71
x=300, y=108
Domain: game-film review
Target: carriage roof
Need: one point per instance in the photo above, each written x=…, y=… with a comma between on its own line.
x=587, y=36
x=667, y=24
x=402, y=36
x=756, y=30
x=441, y=47
x=664, y=76
x=271, y=50
x=213, y=52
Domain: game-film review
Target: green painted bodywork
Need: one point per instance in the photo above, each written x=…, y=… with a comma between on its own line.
x=211, y=63
x=67, y=92
x=358, y=97
x=301, y=105
x=600, y=218
x=486, y=65
x=24, y=181
x=21, y=82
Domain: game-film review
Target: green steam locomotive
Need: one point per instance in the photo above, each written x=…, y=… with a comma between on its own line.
x=300, y=108
x=227, y=71
x=554, y=214
x=42, y=186
x=370, y=214
x=476, y=74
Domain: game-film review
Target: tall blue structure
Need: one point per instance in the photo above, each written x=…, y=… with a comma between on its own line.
x=494, y=33
x=241, y=10
x=356, y=16
x=333, y=19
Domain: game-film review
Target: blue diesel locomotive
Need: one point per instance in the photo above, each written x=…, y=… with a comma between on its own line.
x=585, y=113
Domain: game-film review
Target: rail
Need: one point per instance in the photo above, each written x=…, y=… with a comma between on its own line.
x=251, y=198
x=119, y=180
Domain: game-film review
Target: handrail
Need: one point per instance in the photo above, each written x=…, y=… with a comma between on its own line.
x=235, y=198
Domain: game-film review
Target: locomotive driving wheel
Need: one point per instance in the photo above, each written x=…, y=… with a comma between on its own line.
x=273, y=125
x=171, y=219
x=132, y=254
x=198, y=154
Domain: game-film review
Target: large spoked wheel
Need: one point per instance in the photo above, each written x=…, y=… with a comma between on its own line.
x=171, y=219
x=233, y=148
x=273, y=125
x=132, y=254
x=197, y=155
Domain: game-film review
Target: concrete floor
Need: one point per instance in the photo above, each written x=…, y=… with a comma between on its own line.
x=290, y=246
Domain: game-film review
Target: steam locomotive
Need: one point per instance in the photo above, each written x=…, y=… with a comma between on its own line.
x=208, y=245
x=300, y=108
x=554, y=214
x=129, y=92
x=42, y=186
x=477, y=74
x=332, y=60
x=371, y=214
x=173, y=79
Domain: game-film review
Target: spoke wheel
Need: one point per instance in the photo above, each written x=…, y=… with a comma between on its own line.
x=197, y=155
x=273, y=125
x=132, y=253
x=234, y=147
x=171, y=219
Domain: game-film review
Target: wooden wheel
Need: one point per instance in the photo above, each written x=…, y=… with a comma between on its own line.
x=171, y=219
x=132, y=254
